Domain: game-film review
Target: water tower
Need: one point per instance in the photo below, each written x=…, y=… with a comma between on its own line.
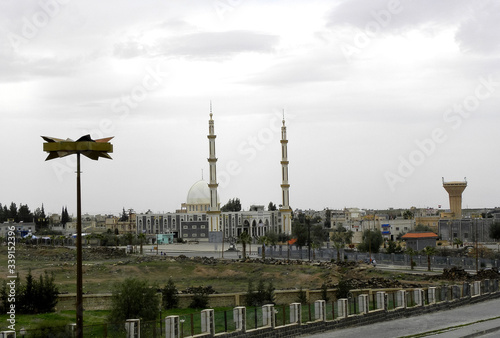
x=455, y=189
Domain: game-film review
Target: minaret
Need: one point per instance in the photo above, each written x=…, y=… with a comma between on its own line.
x=214, y=212
x=286, y=212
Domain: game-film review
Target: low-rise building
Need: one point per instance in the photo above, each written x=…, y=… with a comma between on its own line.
x=419, y=240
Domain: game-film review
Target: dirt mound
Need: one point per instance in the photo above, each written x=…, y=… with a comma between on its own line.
x=459, y=274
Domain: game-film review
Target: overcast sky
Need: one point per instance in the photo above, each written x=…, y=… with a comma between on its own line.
x=381, y=99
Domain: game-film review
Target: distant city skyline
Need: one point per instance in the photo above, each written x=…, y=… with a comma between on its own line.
x=382, y=99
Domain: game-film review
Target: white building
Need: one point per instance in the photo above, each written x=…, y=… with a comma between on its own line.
x=200, y=217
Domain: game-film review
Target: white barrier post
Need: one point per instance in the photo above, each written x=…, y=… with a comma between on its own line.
x=172, y=327
x=133, y=328
x=320, y=310
x=207, y=322
x=296, y=313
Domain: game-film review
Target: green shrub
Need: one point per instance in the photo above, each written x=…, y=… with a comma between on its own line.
x=170, y=295
x=302, y=296
x=134, y=299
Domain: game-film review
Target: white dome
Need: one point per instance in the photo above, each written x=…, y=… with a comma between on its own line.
x=199, y=193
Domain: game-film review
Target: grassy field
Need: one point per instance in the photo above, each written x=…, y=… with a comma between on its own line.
x=100, y=275
x=102, y=271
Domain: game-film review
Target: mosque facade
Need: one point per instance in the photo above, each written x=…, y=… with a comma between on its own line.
x=200, y=217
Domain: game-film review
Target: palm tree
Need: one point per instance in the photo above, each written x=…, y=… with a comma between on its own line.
x=457, y=241
x=340, y=239
x=411, y=253
x=244, y=238
x=141, y=238
x=429, y=251
x=264, y=241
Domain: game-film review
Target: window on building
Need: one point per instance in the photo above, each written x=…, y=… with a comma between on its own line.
x=202, y=235
x=455, y=235
x=397, y=228
x=193, y=227
x=195, y=235
x=202, y=227
x=466, y=235
x=184, y=226
x=184, y=235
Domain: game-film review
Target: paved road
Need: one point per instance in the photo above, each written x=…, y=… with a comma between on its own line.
x=467, y=321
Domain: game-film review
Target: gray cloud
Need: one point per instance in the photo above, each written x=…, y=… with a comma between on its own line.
x=476, y=22
x=218, y=44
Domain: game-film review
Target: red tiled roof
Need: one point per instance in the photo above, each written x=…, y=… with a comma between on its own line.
x=420, y=235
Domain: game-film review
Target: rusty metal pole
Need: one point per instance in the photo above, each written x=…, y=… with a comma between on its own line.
x=79, y=283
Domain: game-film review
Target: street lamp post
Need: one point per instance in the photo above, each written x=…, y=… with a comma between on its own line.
x=93, y=149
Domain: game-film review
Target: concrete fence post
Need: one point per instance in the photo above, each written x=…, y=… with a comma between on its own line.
x=487, y=284
x=320, y=310
x=342, y=308
x=363, y=304
x=455, y=292
x=466, y=290
x=268, y=315
x=476, y=288
x=296, y=313
x=381, y=303
x=444, y=293
x=133, y=328
x=172, y=327
x=431, y=294
x=239, y=317
x=495, y=285
x=401, y=299
x=207, y=322
x=8, y=334
x=418, y=297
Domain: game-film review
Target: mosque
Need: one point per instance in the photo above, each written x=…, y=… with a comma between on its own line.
x=201, y=219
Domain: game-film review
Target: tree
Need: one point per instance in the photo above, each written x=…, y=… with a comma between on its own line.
x=272, y=237
x=64, y=216
x=429, y=251
x=495, y=232
x=129, y=238
x=328, y=218
x=300, y=231
x=24, y=214
x=244, y=238
x=372, y=240
x=170, y=295
x=271, y=206
x=408, y=214
x=260, y=296
x=124, y=216
x=410, y=252
x=422, y=228
x=264, y=241
x=134, y=298
x=40, y=217
x=392, y=247
x=457, y=241
x=340, y=239
x=141, y=238
x=232, y=205
x=13, y=212
x=34, y=296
